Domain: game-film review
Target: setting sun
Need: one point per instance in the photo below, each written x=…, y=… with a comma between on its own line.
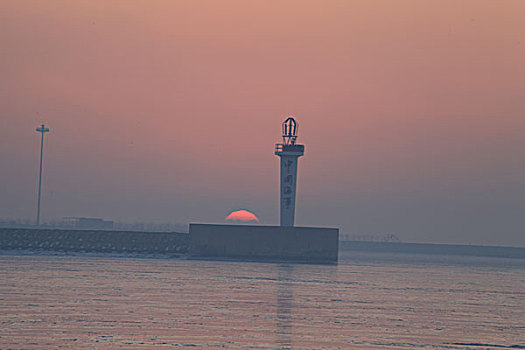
x=242, y=216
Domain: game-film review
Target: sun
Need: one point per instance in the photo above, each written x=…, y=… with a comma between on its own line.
x=243, y=216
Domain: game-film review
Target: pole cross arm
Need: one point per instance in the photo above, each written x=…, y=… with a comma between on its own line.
x=42, y=129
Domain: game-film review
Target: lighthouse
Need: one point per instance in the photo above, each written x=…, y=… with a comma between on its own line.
x=287, y=243
x=289, y=151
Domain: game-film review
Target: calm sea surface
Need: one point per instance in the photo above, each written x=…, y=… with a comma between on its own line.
x=368, y=301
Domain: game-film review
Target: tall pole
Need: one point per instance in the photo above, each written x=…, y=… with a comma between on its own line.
x=41, y=130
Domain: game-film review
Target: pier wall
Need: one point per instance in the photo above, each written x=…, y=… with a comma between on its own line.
x=99, y=241
x=254, y=242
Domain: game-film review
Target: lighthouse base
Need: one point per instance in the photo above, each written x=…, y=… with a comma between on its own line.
x=264, y=243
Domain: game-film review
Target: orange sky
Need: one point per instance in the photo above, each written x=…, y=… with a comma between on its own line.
x=412, y=112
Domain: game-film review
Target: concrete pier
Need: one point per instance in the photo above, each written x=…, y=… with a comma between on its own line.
x=264, y=243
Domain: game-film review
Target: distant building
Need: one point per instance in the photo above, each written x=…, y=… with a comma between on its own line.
x=89, y=223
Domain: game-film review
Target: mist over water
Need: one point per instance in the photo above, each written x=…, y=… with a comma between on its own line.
x=367, y=301
x=165, y=113
x=411, y=112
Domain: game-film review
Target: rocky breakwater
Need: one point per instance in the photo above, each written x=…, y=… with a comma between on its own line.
x=94, y=241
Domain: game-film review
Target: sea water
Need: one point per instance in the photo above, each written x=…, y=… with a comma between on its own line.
x=367, y=301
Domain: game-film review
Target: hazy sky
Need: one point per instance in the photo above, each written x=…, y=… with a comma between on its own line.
x=412, y=112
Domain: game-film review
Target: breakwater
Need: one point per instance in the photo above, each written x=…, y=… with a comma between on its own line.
x=177, y=244
x=97, y=241
x=434, y=249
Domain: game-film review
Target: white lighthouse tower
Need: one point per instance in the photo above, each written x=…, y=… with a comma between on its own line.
x=289, y=152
